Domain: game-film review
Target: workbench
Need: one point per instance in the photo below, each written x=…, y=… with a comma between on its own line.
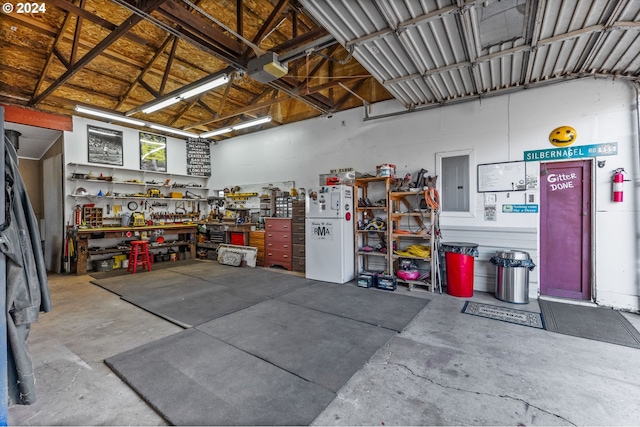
x=186, y=236
x=215, y=233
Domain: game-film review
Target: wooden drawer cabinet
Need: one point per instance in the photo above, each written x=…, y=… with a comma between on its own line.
x=298, y=224
x=278, y=236
x=299, y=264
x=256, y=239
x=298, y=239
x=278, y=246
x=298, y=250
x=298, y=212
x=282, y=258
x=298, y=228
x=277, y=224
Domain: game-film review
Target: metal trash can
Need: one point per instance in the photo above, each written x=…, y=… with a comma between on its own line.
x=512, y=275
x=459, y=265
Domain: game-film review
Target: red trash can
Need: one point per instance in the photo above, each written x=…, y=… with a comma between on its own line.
x=459, y=264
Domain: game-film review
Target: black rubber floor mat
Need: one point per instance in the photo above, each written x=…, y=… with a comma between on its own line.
x=594, y=323
x=149, y=283
x=191, y=378
x=319, y=347
x=188, y=309
x=372, y=306
x=254, y=360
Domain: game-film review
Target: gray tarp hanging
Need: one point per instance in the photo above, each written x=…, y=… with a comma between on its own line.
x=26, y=281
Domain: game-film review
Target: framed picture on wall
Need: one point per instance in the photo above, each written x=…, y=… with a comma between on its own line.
x=153, y=152
x=104, y=145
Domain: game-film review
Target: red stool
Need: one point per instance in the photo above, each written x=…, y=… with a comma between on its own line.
x=139, y=255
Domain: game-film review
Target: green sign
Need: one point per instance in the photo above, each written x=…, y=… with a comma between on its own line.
x=575, y=152
x=520, y=208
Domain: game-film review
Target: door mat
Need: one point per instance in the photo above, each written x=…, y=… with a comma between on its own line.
x=510, y=315
x=594, y=323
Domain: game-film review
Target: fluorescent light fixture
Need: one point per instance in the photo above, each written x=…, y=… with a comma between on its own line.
x=115, y=117
x=252, y=123
x=101, y=132
x=174, y=130
x=187, y=94
x=160, y=105
x=215, y=132
x=236, y=127
x=205, y=87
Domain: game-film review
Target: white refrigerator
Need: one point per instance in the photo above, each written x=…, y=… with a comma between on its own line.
x=329, y=231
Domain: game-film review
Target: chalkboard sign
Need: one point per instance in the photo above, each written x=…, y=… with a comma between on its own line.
x=198, y=157
x=508, y=176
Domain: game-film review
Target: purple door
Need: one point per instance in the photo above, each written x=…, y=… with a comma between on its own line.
x=565, y=229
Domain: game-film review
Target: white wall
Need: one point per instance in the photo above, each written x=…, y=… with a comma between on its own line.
x=76, y=149
x=497, y=129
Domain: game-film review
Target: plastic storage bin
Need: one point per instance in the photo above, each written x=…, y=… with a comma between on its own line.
x=103, y=264
x=117, y=260
x=459, y=261
x=512, y=275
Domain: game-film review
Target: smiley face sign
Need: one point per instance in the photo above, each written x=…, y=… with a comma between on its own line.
x=563, y=136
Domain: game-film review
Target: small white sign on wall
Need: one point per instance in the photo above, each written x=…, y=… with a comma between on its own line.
x=490, y=209
x=321, y=230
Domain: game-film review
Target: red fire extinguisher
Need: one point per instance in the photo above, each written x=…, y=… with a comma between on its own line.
x=618, y=179
x=77, y=216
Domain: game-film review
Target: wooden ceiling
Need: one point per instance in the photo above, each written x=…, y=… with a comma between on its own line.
x=118, y=55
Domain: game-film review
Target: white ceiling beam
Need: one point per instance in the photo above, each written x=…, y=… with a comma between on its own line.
x=418, y=20
x=626, y=26
x=471, y=41
x=571, y=35
x=422, y=19
x=369, y=37
x=535, y=36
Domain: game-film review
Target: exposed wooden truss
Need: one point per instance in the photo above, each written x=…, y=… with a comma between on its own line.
x=119, y=55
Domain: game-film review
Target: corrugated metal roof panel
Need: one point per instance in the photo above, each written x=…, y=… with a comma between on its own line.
x=620, y=53
x=431, y=51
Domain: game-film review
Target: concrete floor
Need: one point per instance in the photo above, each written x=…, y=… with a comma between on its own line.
x=446, y=368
